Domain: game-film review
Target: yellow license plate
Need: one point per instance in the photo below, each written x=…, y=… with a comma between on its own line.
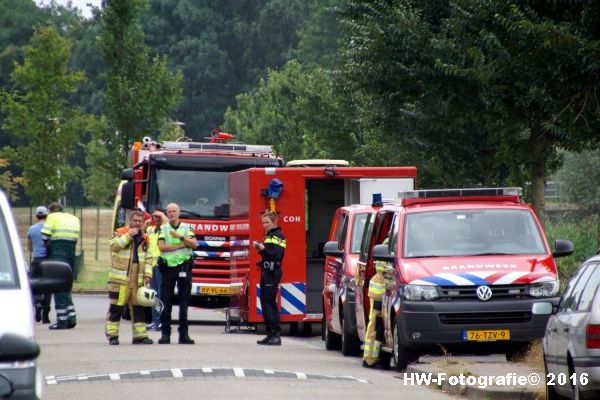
x=486, y=335
x=214, y=290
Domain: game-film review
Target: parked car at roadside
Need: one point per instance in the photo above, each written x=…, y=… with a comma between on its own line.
x=572, y=340
x=19, y=375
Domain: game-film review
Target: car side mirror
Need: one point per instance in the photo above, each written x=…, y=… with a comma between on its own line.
x=332, y=249
x=15, y=347
x=381, y=252
x=56, y=276
x=562, y=248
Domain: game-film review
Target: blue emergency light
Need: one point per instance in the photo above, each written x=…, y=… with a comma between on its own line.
x=377, y=200
x=275, y=189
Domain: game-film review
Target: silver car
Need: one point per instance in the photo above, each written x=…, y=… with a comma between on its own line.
x=572, y=340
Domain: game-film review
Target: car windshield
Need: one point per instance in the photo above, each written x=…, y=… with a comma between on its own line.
x=470, y=233
x=8, y=275
x=358, y=228
x=199, y=194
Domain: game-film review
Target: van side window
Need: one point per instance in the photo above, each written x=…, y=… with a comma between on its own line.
x=394, y=234
x=8, y=273
x=366, y=239
x=342, y=232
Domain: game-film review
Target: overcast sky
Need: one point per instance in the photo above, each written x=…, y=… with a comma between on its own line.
x=80, y=4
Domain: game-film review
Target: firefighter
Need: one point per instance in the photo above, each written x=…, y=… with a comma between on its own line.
x=374, y=333
x=176, y=242
x=131, y=268
x=61, y=232
x=271, y=250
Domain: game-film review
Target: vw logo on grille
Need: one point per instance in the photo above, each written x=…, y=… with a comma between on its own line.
x=484, y=293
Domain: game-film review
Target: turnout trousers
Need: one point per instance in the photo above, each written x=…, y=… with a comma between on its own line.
x=121, y=295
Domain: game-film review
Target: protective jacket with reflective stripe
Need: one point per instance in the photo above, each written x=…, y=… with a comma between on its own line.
x=61, y=226
x=121, y=247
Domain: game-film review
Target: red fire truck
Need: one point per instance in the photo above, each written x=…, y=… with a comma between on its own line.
x=305, y=198
x=195, y=176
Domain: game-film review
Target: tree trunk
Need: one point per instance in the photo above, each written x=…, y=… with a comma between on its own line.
x=538, y=173
x=97, y=231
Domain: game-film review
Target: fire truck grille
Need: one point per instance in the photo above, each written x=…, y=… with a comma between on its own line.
x=469, y=292
x=509, y=317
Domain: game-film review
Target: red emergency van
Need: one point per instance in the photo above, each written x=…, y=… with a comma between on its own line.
x=467, y=270
x=305, y=199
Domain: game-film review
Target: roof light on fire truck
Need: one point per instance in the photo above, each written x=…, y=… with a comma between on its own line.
x=420, y=292
x=544, y=289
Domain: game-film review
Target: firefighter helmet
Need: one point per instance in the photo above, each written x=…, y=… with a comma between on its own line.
x=146, y=296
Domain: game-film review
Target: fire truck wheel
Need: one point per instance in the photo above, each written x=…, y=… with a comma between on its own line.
x=350, y=342
x=401, y=356
x=333, y=341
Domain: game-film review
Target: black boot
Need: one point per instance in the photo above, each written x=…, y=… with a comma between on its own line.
x=264, y=340
x=46, y=317
x=38, y=314
x=275, y=340
x=185, y=339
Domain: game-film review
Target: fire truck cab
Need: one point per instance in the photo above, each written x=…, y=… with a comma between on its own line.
x=305, y=198
x=467, y=269
x=195, y=175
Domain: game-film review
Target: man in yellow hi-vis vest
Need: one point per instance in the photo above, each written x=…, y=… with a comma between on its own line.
x=61, y=232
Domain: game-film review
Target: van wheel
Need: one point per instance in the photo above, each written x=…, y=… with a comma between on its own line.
x=350, y=342
x=401, y=356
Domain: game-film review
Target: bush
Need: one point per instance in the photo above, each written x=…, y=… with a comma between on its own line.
x=582, y=232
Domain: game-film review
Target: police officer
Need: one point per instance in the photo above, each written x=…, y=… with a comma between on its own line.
x=60, y=233
x=176, y=242
x=271, y=250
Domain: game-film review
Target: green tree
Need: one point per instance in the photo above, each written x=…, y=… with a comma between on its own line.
x=101, y=173
x=298, y=112
x=140, y=89
x=580, y=182
x=39, y=113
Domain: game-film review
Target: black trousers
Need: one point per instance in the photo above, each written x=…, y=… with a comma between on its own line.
x=269, y=283
x=170, y=277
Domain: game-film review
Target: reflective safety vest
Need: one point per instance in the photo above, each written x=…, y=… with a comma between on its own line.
x=153, y=241
x=121, y=246
x=377, y=287
x=61, y=226
x=179, y=256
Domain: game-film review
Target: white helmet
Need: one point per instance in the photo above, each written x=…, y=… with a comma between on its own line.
x=146, y=296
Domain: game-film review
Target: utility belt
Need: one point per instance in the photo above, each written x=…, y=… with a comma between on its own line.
x=269, y=265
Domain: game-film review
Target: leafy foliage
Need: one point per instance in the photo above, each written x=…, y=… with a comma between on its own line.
x=38, y=111
x=140, y=89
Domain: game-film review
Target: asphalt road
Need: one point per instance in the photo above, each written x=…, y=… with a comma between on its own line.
x=79, y=364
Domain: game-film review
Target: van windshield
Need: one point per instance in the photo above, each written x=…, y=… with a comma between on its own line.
x=471, y=233
x=8, y=274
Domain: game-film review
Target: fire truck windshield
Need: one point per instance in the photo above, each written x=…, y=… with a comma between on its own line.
x=199, y=194
x=471, y=233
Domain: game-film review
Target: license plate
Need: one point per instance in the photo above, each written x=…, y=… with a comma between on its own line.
x=486, y=335
x=214, y=290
